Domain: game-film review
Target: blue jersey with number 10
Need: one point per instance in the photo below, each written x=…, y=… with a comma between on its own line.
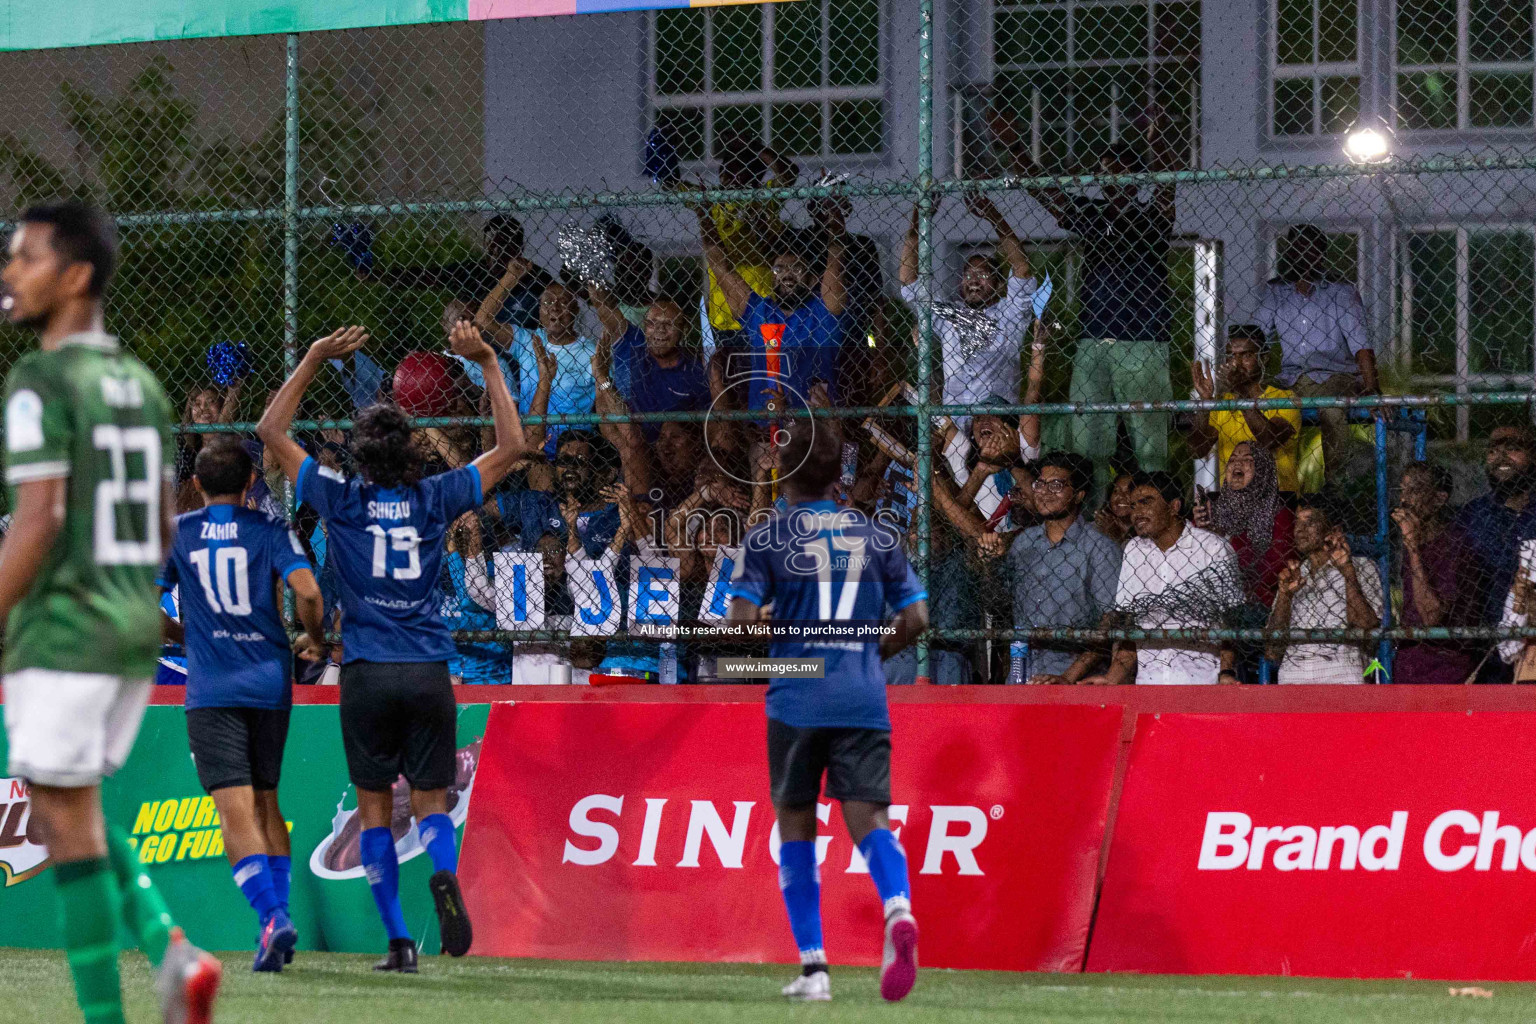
x=387, y=546
x=821, y=564
x=225, y=562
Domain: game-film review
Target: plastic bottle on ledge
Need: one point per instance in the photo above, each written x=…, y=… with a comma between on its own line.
x=1018, y=653
x=668, y=662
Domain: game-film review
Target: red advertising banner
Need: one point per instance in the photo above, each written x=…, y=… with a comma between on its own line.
x=645, y=832
x=1340, y=845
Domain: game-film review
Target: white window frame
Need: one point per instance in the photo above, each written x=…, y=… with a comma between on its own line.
x=1463, y=380
x=1148, y=60
x=766, y=96
x=1462, y=69
x=1313, y=72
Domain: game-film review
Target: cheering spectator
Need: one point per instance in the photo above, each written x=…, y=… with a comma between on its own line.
x=472, y=281
x=992, y=369
x=1493, y=525
x=794, y=333
x=651, y=369
x=1173, y=575
x=1250, y=513
x=1437, y=585
x=862, y=371
x=1324, y=351
x=1064, y=571
x=1329, y=588
x=1122, y=349
x=1114, y=519
x=205, y=406
x=1242, y=376
x=750, y=232
x=573, y=390
x=996, y=477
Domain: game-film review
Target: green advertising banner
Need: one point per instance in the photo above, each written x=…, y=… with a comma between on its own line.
x=174, y=826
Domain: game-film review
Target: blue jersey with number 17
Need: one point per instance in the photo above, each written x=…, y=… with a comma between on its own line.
x=224, y=562
x=387, y=546
x=819, y=564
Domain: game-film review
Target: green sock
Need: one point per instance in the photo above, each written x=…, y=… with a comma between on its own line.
x=144, y=909
x=91, y=906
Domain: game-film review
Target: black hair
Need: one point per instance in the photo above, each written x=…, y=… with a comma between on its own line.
x=604, y=455
x=223, y=467
x=1125, y=154
x=1163, y=483
x=813, y=455
x=1249, y=332
x=1438, y=475
x=383, y=447
x=1319, y=504
x=506, y=228
x=1079, y=467
x=1298, y=237
x=81, y=234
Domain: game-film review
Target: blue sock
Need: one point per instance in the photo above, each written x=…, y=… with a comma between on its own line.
x=887, y=868
x=377, y=847
x=254, y=878
x=800, y=881
x=281, y=869
x=438, y=837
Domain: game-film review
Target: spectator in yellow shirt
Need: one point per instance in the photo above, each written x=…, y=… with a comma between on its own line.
x=747, y=230
x=1241, y=375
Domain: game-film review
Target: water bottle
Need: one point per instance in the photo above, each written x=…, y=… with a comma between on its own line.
x=1018, y=651
x=668, y=662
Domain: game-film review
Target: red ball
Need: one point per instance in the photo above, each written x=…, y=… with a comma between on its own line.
x=425, y=383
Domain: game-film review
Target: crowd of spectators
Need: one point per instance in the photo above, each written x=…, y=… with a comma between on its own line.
x=1092, y=533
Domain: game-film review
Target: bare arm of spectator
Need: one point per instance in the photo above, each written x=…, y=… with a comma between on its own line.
x=538, y=405
x=1164, y=158
x=1365, y=360
x=1122, y=668
x=1426, y=600
x=278, y=417
x=1005, y=131
x=630, y=516
x=1270, y=429
x=735, y=288
x=1029, y=422
x=229, y=404
x=981, y=205
x=907, y=272
x=962, y=514
x=1202, y=437
x=493, y=465
x=485, y=316
x=1280, y=611
x=834, y=293
x=1359, y=611
x=608, y=313
x=634, y=455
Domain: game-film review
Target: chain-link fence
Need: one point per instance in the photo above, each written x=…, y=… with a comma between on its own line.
x=1174, y=339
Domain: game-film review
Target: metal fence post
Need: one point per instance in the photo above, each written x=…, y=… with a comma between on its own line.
x=924, y=467
x=290, y=255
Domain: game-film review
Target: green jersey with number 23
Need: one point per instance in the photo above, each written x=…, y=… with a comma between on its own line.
x=93, y=414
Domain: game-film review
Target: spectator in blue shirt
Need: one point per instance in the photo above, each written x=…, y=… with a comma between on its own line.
x=651, y=369
x=793, y=336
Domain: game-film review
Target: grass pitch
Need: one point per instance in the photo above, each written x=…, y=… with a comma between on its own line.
x=323, y=988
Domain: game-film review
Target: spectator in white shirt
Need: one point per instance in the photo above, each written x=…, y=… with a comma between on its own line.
x=1330, y=588
x=1324, y=351
x=1174, y=575
x=992, y=371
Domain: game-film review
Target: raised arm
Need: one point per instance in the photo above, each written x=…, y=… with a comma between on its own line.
x=907, y=272
x=834, y=293
x=732, y=284
x=1007, y=242
x=494, y=464
x=608, y=313
x=634, y=455
x=535, y=436
x=1029, y=422
x=1163, y=159
x=485, y=316
x=1005, y=132
x=278, y=417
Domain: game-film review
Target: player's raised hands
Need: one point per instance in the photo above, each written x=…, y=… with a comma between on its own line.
x=340, y=343
x=466, y=340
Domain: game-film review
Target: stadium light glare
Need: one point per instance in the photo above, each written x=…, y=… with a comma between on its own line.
x=1367, y=145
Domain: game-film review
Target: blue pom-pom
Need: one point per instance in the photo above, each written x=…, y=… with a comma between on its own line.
x=228, y=361
x=355, y=240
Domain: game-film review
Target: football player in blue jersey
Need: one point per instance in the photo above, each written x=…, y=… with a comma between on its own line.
x=823, y=569
x=385, y=531
x=226, y=561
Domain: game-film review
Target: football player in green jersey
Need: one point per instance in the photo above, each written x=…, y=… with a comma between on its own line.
x=87, y=447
